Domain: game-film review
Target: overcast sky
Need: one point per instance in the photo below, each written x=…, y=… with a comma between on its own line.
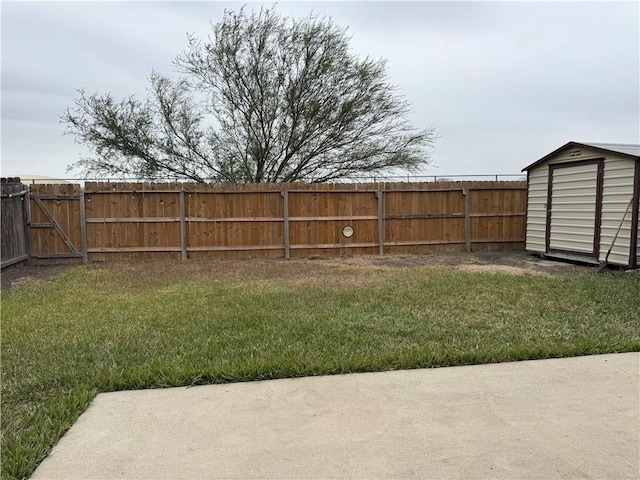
x=503, y=83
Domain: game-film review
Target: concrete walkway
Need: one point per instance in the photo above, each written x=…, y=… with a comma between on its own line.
x=568, y=418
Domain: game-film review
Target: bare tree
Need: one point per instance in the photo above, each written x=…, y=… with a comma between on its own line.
x=264, y=99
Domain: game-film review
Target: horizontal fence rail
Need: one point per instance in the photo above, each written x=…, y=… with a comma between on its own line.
x=118, y=221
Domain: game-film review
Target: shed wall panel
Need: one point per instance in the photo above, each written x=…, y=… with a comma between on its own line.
x=636, y=261
x=616, y=197
x=537, y=209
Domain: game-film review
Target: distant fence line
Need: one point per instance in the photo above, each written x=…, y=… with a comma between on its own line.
x=357, y=179
x=119, y=221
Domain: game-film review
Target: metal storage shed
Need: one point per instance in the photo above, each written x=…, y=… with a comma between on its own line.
x=582, y=200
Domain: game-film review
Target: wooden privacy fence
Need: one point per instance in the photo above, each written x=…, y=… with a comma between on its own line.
x=13, y=222
x=116, y=221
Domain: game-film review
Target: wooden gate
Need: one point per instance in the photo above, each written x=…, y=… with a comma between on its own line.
x=14, y=241
x=55, y=226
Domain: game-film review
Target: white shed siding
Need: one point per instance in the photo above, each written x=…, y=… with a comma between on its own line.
x=574, y=202
x=537, y=197
x=616, y=196
x=573, y=205
x=570, y=155
x=537, y=210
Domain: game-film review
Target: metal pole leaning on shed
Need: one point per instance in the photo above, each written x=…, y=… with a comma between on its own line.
x=83, y=228
x=183, y=227
x=287, y=248
x=467, y=219
x=380, y=197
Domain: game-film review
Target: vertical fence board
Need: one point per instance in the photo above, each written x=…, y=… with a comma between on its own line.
x=83, y=226
x=467, y=219
x=287, y=234
x=380, y=197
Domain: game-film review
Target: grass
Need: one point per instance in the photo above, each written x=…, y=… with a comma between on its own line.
x=112, y=327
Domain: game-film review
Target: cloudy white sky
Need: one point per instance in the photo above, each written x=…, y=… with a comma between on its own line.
x=503, y=83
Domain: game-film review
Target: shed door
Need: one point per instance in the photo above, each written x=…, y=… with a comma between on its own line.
x=573, y=208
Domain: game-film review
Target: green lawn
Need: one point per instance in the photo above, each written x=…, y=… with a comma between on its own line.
x=112, y=327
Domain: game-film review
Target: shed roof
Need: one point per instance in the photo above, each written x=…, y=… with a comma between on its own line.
x=625, y=149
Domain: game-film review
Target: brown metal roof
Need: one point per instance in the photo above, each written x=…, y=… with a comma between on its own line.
x=625, y=149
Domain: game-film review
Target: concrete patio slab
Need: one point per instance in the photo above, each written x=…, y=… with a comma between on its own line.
x=565, y=418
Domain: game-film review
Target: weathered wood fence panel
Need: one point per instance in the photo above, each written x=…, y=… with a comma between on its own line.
x=192, y=221
x=55, y=227
x=13, y=222
x=498, y=218
x=424, y=220
x=317, y=218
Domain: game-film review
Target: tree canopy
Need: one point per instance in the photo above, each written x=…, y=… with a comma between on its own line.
x=265, y=98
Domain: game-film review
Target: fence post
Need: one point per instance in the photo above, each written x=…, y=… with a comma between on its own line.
x=26, y=200
x=380, y=197
x=467, y=219
x=83, y=228
x=29, y=260
x=183, y=227
x=287, y=249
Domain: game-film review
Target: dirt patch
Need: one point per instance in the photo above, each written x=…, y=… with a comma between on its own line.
x=502, y=269
x=356, y=269
x=22, y=274
x=514, y=263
